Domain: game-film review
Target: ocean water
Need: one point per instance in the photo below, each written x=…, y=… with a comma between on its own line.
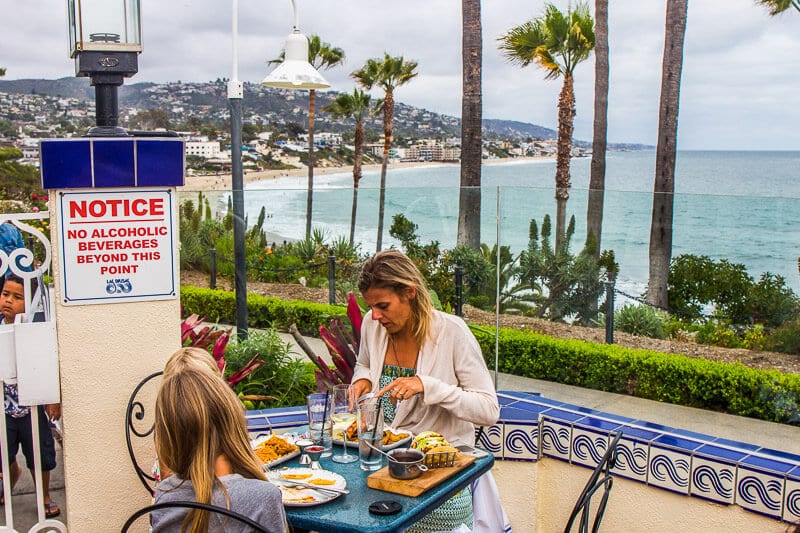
x=741, y=206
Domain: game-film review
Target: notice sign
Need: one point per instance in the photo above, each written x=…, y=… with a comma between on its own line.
x=118, y=245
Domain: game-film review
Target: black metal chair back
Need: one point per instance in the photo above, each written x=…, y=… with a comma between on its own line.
x=136, y=412
x=241, y=519
x=600, y=478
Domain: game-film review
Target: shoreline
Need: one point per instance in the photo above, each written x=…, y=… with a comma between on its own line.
x=222, y=182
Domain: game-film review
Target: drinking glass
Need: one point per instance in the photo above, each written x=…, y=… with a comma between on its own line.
x=342, y=415
x=319, y=421
x=369, y=421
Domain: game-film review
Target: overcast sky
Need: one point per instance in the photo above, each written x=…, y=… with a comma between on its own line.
x=741, y=77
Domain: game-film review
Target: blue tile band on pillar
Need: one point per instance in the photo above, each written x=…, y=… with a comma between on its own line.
x=112, y=162
x=66, y=164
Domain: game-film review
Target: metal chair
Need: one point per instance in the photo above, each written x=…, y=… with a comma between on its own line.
x=241, y=519
x=600, y=478
x=136, y=412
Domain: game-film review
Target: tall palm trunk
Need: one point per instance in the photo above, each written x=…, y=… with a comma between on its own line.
x=312, y=103
x=469, y=204
x=664, y=184
x=388, y=115
x=357, y=157
x=566, y=114
x=597, y=179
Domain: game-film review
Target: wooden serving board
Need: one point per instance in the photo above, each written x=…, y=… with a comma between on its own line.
x=382, y=480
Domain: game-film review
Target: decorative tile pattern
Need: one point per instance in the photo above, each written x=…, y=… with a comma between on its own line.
x=521, y=441
x=669, y=469
x=555, y=439
x=713, y=480
x=791, y=497
x=632, y=457
x=588, y=446
x=759, y=491
x=492, y=440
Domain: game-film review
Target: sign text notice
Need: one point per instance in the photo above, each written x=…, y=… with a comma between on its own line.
x=117, y=245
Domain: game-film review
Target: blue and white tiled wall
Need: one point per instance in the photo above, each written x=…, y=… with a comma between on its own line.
x=728, y=472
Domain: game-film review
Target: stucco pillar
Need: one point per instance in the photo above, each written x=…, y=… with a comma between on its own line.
x=110, y=339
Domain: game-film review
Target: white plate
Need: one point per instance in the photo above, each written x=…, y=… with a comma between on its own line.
x=399, y=444
x=280, y=460
x=302, y=496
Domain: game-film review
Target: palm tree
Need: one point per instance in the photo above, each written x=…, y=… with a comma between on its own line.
x=322, y=56
x=469, y=205
x=387, y=73
x=779, y=6
x=666, y=147
x=597, y=178
x=557, y=43
x=354, y=106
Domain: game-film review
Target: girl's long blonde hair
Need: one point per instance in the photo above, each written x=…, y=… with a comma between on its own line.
x=190, y=358
x=197, y=419
x=393, y=270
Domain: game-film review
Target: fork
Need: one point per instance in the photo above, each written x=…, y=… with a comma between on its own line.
x=293, y=482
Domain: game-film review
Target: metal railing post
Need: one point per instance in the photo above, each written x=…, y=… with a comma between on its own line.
x=331, y=278
x=459, y=289
x=610, y=281
x=212, y=260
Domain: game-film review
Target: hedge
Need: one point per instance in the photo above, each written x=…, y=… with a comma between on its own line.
x=727, y=387
x=262, y=312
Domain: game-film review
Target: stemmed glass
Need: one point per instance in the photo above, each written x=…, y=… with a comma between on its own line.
x=342, y=415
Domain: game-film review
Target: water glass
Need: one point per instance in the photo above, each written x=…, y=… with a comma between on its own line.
x=369, y=422
x=319, y=421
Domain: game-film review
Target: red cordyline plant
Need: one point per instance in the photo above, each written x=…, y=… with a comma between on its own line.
x=342, y=342
x=215, y=341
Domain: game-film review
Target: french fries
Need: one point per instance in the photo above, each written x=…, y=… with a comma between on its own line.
x=389, y=436
x=273, y=448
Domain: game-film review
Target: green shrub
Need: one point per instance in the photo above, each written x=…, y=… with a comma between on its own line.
x=698, y=281
x=641, y=320
x=785, y=339
x=262, y=312
x=719, y=332
x=283, y=377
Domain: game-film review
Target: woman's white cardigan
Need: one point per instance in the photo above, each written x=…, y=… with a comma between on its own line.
x=458, y=389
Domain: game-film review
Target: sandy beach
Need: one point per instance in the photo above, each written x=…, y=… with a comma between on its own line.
x=222, y=182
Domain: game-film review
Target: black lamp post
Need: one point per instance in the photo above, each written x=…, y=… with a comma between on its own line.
x=105, y=41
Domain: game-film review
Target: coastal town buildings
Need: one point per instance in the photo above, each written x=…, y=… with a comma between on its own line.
x=276, y=120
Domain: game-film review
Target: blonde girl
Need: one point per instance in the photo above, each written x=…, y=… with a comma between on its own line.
x=201, y=437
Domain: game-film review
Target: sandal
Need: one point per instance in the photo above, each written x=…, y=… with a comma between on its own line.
x=51, y=510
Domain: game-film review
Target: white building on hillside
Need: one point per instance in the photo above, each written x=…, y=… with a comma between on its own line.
x=204, y=149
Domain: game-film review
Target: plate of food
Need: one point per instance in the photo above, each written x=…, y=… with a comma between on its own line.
x=288, y=480
x=392, y=438
x=274, y=449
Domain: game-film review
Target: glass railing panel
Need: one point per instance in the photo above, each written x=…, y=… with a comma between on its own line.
x=751, y=219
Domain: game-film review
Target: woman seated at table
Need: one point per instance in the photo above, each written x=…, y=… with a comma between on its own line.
x=425, y=363
x=201, y=436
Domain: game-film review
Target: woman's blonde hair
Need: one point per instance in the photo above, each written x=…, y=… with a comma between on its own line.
x=393, y=270
x=197, y=419
x=190, y=358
